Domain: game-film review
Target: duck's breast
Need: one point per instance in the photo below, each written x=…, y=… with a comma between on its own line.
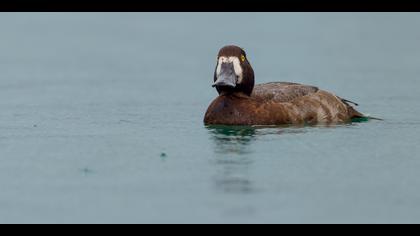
x=232, y=110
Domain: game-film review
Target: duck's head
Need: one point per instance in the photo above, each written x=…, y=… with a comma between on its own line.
x=233, y=71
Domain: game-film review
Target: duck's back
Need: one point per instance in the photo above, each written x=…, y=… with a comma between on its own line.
x=282, y=91
x=307, y=96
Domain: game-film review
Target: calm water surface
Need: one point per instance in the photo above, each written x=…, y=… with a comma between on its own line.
x=101, y=119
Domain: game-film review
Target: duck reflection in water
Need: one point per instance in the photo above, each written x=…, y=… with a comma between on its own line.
x=232, y=140
x=232, y=147
x=235, y=154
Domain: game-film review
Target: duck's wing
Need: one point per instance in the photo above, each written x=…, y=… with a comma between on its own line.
x=325, y=106
x=282, y=91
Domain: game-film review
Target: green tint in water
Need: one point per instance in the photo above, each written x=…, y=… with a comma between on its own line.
x=360, y=119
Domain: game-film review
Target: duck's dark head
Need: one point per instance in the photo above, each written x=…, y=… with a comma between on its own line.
x=233, y=71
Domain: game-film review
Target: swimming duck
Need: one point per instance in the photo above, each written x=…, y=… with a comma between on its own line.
x=241, y=102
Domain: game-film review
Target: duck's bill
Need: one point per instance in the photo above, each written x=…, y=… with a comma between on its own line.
x=226, y=77
x=224, y=84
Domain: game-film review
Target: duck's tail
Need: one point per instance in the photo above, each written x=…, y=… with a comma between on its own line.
x=355, y=115
x=374, y=118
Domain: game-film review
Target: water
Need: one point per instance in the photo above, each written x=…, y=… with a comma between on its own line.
x=102, y=114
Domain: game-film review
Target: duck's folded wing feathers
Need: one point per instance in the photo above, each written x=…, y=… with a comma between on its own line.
x=282, y=91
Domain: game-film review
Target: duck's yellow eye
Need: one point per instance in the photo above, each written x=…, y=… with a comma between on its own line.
x=242, y=58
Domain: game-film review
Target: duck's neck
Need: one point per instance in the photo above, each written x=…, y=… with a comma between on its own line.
x=235, y=94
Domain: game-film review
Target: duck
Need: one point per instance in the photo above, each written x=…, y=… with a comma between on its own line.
x=243, y=103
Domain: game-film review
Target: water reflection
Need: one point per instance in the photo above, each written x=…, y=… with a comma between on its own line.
x=232, y=146
x=238, y=160
x=235, y=153
x=232, y=140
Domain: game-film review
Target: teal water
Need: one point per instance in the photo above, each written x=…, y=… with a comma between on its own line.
x=102, y=114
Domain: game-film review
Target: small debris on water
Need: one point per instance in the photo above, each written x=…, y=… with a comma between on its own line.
x=86, y=171
x=163, y=156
